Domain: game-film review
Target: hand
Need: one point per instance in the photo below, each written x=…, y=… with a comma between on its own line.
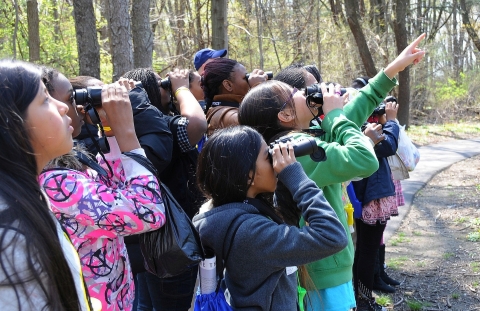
x=410, y=55
x=178, y=78
x=282, y=156
x=374, y=132
x=256, y=77
x=331, y=97
x=118, y=114
x=127, y=83
x=391, y=110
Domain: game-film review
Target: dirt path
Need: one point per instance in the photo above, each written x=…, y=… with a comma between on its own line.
x=431, y=253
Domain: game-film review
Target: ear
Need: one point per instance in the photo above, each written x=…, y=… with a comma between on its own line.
x=227, y=85
x=251, y=179
x=286, y=116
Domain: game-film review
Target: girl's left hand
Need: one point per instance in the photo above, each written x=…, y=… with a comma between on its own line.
x=282, y=156
x=391, y=110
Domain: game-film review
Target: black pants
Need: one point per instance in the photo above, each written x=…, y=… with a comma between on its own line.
x=368, y=242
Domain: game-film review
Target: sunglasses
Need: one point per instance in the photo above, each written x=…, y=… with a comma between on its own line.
x=289, y=99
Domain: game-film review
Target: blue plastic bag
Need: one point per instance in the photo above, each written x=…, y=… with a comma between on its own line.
x=212, y=302
x=357, y=205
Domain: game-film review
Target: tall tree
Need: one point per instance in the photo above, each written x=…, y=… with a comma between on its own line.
x=121, y=46
x=219, y=24
x=33, y=31
x=87, y=42
x=142, y=34
x=401, y=40
x=351, y=8
x=465, y=10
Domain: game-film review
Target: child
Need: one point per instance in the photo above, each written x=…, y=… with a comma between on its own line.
x=377, y=193
x=39, y=268
x=260, y=253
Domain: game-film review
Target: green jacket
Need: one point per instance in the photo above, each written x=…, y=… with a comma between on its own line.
x=349, y=155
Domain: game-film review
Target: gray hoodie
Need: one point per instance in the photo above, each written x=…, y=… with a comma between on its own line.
x=260, y=269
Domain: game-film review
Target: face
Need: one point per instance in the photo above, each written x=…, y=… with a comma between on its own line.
x=195, y=87
x=238, y=81
x=264, y=179
x=63, y=92
x=48, y=127
x=164, y=94
x=202, y=68
x=303, y=113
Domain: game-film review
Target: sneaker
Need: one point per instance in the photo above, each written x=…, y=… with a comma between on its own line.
x=369, y=305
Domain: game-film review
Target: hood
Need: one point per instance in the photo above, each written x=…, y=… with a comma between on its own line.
x=217, y=225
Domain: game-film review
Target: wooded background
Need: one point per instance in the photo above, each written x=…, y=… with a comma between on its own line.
x=344, y=38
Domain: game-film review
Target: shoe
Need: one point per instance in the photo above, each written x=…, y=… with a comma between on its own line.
x=384, y=276
x=369, y=305
x=380, y=285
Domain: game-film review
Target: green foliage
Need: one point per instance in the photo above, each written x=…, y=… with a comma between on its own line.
x=384, y=300
x=416, y=305
x=474, y=236
x=58, y=46
x=396, y=263
x=451, y=89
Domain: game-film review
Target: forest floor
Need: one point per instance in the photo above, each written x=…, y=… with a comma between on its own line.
x=436, y=251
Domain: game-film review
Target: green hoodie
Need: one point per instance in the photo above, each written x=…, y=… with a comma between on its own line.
x=349, y=154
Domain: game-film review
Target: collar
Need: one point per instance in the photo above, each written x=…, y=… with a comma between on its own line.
x=230, y=100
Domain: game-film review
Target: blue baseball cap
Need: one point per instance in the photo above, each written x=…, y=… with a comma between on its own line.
x=205, y=54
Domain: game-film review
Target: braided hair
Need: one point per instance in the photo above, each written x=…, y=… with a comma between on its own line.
x=149, y=83
x=216, y=71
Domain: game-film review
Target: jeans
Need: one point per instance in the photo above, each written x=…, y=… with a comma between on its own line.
x=169, y=294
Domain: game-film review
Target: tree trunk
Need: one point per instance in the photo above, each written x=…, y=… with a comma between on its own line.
x=465, y=9
x=15, y=30
x=142, y=34
x=352, y=18
x=87, y=42
x=33, y=31
x=401, y=40
x=259, y=19
x=219, y=24
x=121, y=45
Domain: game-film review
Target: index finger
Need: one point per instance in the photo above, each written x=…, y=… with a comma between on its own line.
x=418, y=40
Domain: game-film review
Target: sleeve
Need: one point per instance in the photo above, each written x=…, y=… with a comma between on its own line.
x=349, y=153
x=89, y=207
x=178, y=126
x=368, y=98
x=15, y=269
x=283, y=245
x=389, y=145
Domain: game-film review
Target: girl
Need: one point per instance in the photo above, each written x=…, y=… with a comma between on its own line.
x=259, y=252
x=274, y=107
x=225, y=84
x=39, y=268
x=98, y=211
x=377, y=193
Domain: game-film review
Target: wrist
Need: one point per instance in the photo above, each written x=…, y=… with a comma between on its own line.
x=181, y=89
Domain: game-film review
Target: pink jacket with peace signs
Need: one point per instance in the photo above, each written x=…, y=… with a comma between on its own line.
x=97, y=213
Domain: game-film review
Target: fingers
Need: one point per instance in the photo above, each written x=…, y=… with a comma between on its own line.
x=417, y=41
x=282, y=155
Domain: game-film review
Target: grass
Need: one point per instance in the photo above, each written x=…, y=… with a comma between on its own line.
x=474, y=236
x=455, y=295
x=416, y=305
x=396, y=263
x=461, y=220
x=416, y=233
x=475, y=267
x=425, y=134
x=383, y=300
x=421, y=264
x=448, y=255
x=400, y=238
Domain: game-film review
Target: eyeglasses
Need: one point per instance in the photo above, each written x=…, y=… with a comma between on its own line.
x=289, y=99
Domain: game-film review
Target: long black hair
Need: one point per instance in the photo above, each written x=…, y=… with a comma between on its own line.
x=225, y=163
x=27, y=226
x=216, y=71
